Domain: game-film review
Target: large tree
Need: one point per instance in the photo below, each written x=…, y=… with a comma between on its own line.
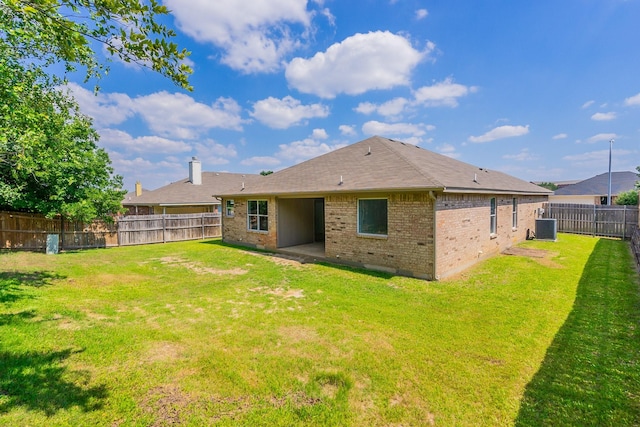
x=49, y=158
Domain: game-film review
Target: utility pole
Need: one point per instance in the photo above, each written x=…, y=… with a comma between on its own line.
x=609, y=195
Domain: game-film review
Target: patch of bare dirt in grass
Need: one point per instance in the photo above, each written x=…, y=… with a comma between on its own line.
x=163, y=352
x=167, y=403
x=278, y=259
x=172, y=406
x=541, y=256
x=280, y=292
x=298, y=333
x=199, y=268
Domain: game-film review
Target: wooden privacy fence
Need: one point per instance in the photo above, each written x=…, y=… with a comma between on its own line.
x=596, y=220
x=143, y=229
x=29, y=231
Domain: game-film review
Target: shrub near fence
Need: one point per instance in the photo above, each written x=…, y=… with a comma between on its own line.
x=29, y=231
x=596, y=220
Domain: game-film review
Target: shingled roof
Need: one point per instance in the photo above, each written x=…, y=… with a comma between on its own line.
x=599, y=185
x=381, y=164
x=183, y=192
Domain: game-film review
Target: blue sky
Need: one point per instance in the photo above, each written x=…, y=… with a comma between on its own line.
x=535, y=89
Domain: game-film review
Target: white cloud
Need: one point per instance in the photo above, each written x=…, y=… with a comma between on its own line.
x=178, y=115
x=601, y=137
x=588, y=104
x=254, y=36
x=211, y=149
x=319, y=134
x=421, y=14
x=327, y=14
x=117, y=139
x=405, y=132
x=347, y=130
x=448, y=150
x=560, y=136
x=286, y=112
x=604, y=116
x=597, y=161
x=260, y=161
x=362, y=62
x=379, y=128
x=307, y=148
x=523, y=156
x=632, y=100
x=170, y=115
x=105, y=108
x=445, y=93
x=390, y=108
x=500, y=132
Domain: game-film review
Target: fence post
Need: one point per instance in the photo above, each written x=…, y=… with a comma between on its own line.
x=595, y=221
x=61, y=232
x=202, y=222
x=163, y=229
x=624, y=222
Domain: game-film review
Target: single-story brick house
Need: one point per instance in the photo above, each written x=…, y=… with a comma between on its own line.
x=387, y=205
x=188, y=195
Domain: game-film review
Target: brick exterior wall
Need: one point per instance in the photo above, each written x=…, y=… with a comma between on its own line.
x=234, y=228
x=408, y=247
x=463, y=228
x=462, y=234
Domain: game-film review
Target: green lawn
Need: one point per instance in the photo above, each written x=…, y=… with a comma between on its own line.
x=200, y=333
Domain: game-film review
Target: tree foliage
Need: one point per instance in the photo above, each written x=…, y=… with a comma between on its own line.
x=49, y=159
x=47, y=32
x=549, y=185
x=627, y=198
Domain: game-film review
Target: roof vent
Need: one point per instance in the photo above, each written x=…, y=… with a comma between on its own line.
x=475, y=177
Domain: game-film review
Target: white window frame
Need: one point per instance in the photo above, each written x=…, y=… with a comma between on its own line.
x=493, y=216
x=258, y=216
x=360, y=233
x=229, y=207
x=514, y=213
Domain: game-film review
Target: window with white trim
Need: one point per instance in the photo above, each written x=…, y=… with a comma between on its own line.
x=230, y=207
x=372, y=217
x=257, y=215
x=514, y=213
x=493, y=217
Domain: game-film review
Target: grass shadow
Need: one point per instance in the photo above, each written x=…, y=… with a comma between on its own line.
x=591, y=372
x=39, y=381
x=12, y=283
x=345, y=266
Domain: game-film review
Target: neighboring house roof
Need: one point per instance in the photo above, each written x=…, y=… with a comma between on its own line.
x=381, y=164
x=599, y=185
x=183, y=192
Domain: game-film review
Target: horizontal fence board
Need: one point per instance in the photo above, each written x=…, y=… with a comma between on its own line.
x=29, y=231
x=595, y=220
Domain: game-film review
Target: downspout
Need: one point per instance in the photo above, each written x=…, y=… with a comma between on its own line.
x=433, y=198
